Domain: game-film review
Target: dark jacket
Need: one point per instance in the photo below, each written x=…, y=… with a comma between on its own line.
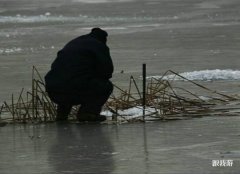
x=80, y=61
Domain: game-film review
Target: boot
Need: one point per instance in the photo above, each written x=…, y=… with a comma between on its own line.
x=90, y=117
x=62, y=112
x=61, y=118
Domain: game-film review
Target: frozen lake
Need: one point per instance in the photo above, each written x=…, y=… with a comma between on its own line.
x=179, y=147
x=199, y=38
x=181, y=35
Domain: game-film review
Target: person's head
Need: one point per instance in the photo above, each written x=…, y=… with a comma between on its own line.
x=99, y=34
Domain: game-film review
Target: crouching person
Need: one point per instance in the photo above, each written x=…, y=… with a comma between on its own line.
x=80, y=76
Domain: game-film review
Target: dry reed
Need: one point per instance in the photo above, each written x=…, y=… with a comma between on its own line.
x=164, y=101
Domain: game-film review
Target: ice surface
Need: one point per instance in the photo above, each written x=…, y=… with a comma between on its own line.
x=47, y=17
x=99, y=1
x=156, y=147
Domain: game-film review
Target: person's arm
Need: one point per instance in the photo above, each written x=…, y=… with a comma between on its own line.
x=104, y=64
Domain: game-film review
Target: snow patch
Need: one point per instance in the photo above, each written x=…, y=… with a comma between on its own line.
x=205, y=75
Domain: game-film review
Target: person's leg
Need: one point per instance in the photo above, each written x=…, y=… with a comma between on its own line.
x=63, y=111
x=64, y=104
x=91, y=104
x=90, y=109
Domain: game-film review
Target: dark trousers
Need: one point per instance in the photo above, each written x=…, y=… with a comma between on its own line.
x=90, y=100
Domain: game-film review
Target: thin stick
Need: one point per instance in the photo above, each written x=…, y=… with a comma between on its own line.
x=13, y=112
x=229, y=97
x=123, y=91
x=8, y=107
x=19, y=107
x=39, y=76
x=26, y=110
x=1, y=110
x=135, y=84
x=46, y=97
x=144, y=89
x=33, y=93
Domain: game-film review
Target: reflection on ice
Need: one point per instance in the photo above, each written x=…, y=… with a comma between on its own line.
x=156, y=147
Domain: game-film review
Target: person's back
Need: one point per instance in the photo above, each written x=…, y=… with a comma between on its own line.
x=82, y=59
x=81, y=73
